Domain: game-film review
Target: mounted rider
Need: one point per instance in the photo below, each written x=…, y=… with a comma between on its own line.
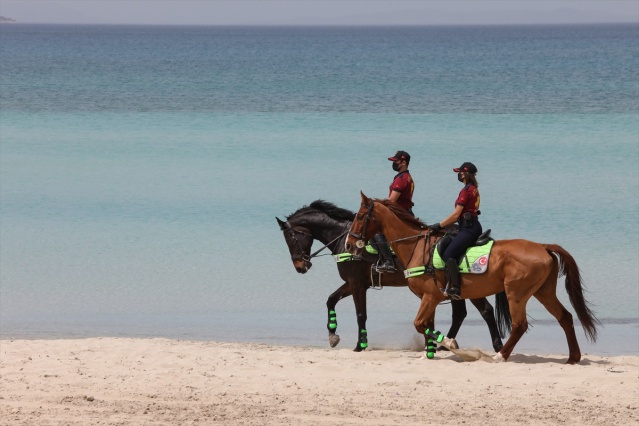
x=401, y=193
x=466, y=215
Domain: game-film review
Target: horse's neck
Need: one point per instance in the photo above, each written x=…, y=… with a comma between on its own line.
x=394, y=229
x=327, y=230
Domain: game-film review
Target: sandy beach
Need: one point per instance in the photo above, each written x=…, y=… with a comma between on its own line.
x=116, y=381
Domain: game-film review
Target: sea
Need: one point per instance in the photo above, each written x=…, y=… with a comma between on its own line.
x=142, y=169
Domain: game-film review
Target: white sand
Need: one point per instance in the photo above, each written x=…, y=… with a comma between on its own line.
x=109, y=381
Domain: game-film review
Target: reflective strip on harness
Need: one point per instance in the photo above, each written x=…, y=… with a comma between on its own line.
x=414, y=272
x=344, y=257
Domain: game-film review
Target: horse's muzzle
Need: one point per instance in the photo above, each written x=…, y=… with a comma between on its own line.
x=302, y=266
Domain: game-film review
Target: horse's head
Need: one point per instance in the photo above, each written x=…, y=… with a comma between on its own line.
x=299, y=241
x=363, y=228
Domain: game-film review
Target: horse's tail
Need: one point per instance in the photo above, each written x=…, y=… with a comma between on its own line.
x=504, y=320
x=575, y=290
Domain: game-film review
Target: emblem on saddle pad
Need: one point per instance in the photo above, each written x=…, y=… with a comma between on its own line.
x=475, y=261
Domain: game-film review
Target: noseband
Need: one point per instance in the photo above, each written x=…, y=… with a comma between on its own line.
x=303, y=256
x=361, y=239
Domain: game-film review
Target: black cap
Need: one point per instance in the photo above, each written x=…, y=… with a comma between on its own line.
x=400, y=155
x=466, y=167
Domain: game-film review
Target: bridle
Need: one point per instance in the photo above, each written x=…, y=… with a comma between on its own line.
x=361, y=239
x=303, y=256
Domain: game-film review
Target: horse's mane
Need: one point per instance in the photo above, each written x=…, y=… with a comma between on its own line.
x=402, y=214
x=330, y=209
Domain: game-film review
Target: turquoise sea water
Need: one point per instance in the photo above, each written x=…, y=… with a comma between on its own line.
x=141, y=170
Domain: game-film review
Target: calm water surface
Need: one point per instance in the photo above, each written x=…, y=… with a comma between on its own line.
x=141, y=170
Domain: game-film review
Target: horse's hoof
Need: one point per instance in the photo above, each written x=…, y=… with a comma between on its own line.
x=449, y=343
x=333, y=340
x=499, y=357
x=358, y=348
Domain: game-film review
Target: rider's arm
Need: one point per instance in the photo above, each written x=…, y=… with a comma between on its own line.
x=453, y=216
x=394, y=196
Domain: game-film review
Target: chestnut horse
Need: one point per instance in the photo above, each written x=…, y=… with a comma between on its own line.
x=329, y=224
x=521, y=268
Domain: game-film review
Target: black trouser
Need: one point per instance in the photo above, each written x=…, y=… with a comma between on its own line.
x=469, y=231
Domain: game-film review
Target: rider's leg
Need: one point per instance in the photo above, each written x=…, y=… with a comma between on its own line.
x=386, y=262
x=452, y=271
x=451, y=255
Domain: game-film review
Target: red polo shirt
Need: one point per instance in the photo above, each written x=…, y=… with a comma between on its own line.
x=469, y=199
x=403, y=183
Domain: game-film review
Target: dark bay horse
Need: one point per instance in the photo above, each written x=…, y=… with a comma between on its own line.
x=521, y=268
x=328, y=224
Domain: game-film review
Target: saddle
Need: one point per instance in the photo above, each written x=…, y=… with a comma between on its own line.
x=474, y=261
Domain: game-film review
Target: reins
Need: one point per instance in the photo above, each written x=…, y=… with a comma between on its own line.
x=306, y=257
x=329, y=243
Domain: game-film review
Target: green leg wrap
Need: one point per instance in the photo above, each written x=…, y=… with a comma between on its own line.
x=430, y=349
x=332, y=320
x=435, y=335
x=363, y=339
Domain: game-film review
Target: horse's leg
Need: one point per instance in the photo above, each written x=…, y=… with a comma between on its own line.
x=518, y=294
x=459, y=314
x=425, y=320
x=547, y=296
x=520, y=284
x=520, y=325
x=431, y=344
x=343, y=291
x=426, y=314
x=425, y=324
x=358, y=290
x=488, y=314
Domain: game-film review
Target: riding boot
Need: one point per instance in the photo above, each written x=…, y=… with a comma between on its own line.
x=386, y=262
x=453, y=287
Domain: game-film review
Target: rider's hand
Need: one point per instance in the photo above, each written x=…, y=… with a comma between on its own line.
x=436, y=227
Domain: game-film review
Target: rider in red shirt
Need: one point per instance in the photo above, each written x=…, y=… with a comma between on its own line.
x=401, y=190
x=465, y=213
x=401, y=193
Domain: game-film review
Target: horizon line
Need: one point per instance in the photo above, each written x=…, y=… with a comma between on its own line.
x=14, y=22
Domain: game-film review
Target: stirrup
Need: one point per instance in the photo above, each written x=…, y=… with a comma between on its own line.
x=381, y=267
x=378, y=285
x=451, y=296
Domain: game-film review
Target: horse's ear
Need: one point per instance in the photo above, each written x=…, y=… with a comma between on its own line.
x=365, y=199
x=282, y=224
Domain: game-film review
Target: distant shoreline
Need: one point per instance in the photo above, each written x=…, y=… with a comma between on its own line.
x=575, y=24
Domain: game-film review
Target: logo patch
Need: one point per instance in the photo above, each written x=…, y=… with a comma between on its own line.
x=480, y=265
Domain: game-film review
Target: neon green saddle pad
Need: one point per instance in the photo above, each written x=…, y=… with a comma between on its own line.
x=373, y=250
x=474, y=262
